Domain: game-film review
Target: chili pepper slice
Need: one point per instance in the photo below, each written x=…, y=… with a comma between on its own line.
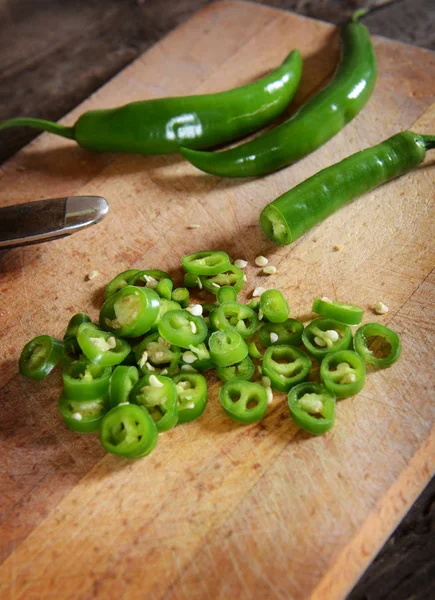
x=120, y=281
x=165, y=306
x=324, y=335
x=317, y=121
x=74, y=324
x=181, y=328
x=128, y=430
x=344, y=313
x=312, y=407
x=192, y=281
x=298, y=210
x=274, y=306
x=285, y=366
x=192, y=396
x=233, y=277
x=253, y=351
x=83, y=380
x=227, y=348
x=243, y=370
x=226, y=294
x=123, y=380
x=343, y=373
x=82, y=416
x=254, y=303
x=158, y=395
x=162, y=125
x=243, y=401
x=377, y=344
x=155, y=355
x=232, y=315
x=206, y=262
x=71, y=351
x=181, y=296
x=101, y=347
x=40, y=356
x=288, y=333
x=197, y=357
x=130, y=312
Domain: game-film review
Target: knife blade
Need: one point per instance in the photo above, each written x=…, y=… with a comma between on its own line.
x=45, y=220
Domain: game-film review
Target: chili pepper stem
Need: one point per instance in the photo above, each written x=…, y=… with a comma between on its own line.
x=62, y=130
x=429, y=141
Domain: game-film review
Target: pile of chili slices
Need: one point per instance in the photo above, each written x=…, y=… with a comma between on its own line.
x=138, y=372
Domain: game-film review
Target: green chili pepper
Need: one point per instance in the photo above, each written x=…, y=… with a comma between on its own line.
x=40, y=356
x=227, y=348
x=274, y=306
x=344, y=313
x=295, y=212
x=149, y=278
x=101, y=347
x=83, y=380
x=343, y=373
x=192, y=281
x=71, y=351
x=206, y=262
x=181, y=296
x=243, y=401
x=130, y=312
x=181, y=328
x=317, y=121
x=324, y=335
x=128, y=430
x=158, y=395
x=233, y=277
x=377, y=344
x=285, y=366
x=312, y=407
x=243, y=370
x=123, y=379
x=226, y=294
x=198, y=357
x=253, y=351
x=231, y=315
x=288, y=333
x=74, y=324
x=192, y=396
x=155, y=355
x=254, y=303
x=82, y=416
x=165, y=306
x=120, y=281
x=162, y=125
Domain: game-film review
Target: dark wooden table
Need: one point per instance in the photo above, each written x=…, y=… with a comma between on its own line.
x=55, y=53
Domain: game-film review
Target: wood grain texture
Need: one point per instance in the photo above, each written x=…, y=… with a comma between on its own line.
x=218, y=510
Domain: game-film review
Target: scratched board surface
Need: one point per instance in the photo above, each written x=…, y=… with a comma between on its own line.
x=219, y=510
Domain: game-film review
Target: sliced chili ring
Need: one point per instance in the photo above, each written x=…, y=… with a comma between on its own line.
x=191, y=396
x=343, y=373
x=374, y=337
x=101, y=347
x=84, y=380
x=74, y=324
x=312, y=407
x=243, y=401
x=226, y=294
x=40, y=356
x=120, y=281
x=123, y=380
x=274, y=306
x=158, y=395
x=288, y=333
x=243, y=370
x=130, y=312
x=340, y=311
x=206, y=262
x=181, y=328
x=83, y=416
x=128, y=430
x=227, y=348
x=233, y=276
x=239, y=317
x=286, y=366
x=155, y=355
x=324, y=335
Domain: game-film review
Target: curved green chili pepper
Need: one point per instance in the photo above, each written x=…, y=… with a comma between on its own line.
x=340, y=311
x=128, y=430
x=317, y=121
x=295, y=212
x=192, y=396
x=119, y=281
x=162, y=125
x=82, y=416
x=243, y=401
x=124, y=377
x=312, y=407
x=232, y=315
x=40, y=356
x=158, y=395
x=243, y=370
x=274, y=306
x=285, y=366
x=227, y=348
x=343, y=373
x=83, y=380
x=323, y=335
x=288, y=333
x=130, y=312
x=74, y=324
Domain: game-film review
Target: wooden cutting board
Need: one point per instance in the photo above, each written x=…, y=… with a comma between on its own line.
x=220, y=510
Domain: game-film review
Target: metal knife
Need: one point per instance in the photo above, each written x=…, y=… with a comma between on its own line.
x=45, y=220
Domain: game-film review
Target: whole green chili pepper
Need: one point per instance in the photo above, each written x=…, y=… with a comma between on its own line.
x=317, y=121
x=160, y=126
x=295, y=212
